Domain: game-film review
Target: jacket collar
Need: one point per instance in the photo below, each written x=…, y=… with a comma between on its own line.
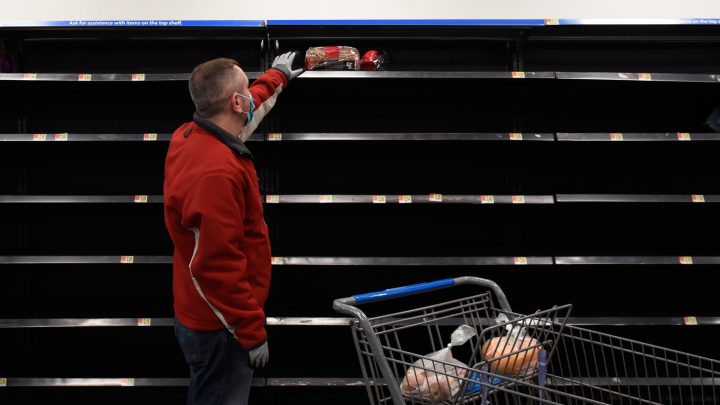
x=232, y=142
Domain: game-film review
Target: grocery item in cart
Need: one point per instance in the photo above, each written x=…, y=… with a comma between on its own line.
x=332, y=58
x=430, y=378
x=513, y=354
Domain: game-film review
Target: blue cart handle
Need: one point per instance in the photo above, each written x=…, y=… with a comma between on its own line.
x=403, y=291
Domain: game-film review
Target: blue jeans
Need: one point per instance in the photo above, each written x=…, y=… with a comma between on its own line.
x=220, y=372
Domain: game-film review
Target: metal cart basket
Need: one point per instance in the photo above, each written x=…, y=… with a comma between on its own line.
x=514, y=358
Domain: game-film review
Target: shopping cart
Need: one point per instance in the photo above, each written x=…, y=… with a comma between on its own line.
x=514, y=358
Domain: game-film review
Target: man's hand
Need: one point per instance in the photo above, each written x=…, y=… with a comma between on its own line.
x=259, y=356
x=284, y=63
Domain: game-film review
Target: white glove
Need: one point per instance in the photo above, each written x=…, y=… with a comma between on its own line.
x=284, y=63
x=259, y=356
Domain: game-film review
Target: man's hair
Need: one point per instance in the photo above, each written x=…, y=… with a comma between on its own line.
x=211, y=83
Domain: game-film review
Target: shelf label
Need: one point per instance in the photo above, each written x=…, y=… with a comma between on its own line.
x=144, y=322
x=552, y=21
x=127, y=259
x=685, y=259
x=3, y=382
x=436, y=197
x=141, y=199
x=405, y=199
x=138, y=77
x=518, y=199
x=518, y=75
x=379, y=199
x=84, y=77
x=616, y=136
x=277, y=261
x=128, y=382
x=520, y=260
x=516, y=136
x=487, y=199
x=275, y=136
x=149, y=137
x=30, y=76
x=645, y=76
x=683, y=136
x=690, y=320
x=39, y=137
x=698, y=198
x=272, y=199
x=326, y=199
x=61, y=137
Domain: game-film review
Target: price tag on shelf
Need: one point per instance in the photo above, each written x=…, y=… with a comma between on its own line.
x=616, y=136
x=518, y=75
x=487, y=199
x=520, y=260
x=405, y=199
x=552, y=21
x=141, y=199
x=685, y=259
x=274, y=136
x=138, y=77
x=149, y=137
x=690, y=321
x=698, y=198
x=683, y=136
x=3, y=382
x=645, y=76
x=326, y=199
x=39, y=137
x=84, y=77
x=436, y=197
x=127, y=259
x=272, y=199
x=516, y=136
x=379, y=199
x=277, y=261
x=518, y=199
x=30, y=76
x=127, y=382
x=61, y=137
x=144, y=322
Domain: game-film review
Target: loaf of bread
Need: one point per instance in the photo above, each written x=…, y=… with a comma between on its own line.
x=332, y=58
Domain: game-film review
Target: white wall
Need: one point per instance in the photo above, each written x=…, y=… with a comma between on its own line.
x=49, y=10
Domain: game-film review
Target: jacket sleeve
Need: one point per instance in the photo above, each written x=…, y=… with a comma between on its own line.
x=214, y=212
x=264, y=90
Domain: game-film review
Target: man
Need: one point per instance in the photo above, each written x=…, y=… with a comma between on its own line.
x=214, y=215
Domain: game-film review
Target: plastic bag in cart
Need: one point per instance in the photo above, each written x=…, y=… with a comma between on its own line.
x=436, y=376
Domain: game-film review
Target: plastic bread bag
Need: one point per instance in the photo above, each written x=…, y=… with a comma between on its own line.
x=332, y=58
x=436, y=376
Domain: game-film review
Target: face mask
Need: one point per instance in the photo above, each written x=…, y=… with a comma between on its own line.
x=252, y=108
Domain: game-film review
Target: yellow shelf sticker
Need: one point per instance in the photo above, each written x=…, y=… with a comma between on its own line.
x=552, y=21
x=128, y=382
x=84, y=77
x=405, y=199
x=516, y=136
x=379, y=199
x=520, y=260
x=683, y=136
x=326, y=198
x=144, y=322
x=272, y=199
x=277, y=260
x=616, y=136
x=127, y=259
x=518, y=75
x=645, y=76
x=138, y=77
x=275, y=136
x=685, y=259
x=149, y=137
x=30, y=76
x=39, y=137
x=690, y=320
x=436, y=197
x=61, y=137
x=3, y=382
x=487, y=199
x=698, y=198
x=518, y=199
x=141, y=199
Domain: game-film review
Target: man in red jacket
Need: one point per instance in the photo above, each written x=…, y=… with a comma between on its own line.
x=214, y=215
